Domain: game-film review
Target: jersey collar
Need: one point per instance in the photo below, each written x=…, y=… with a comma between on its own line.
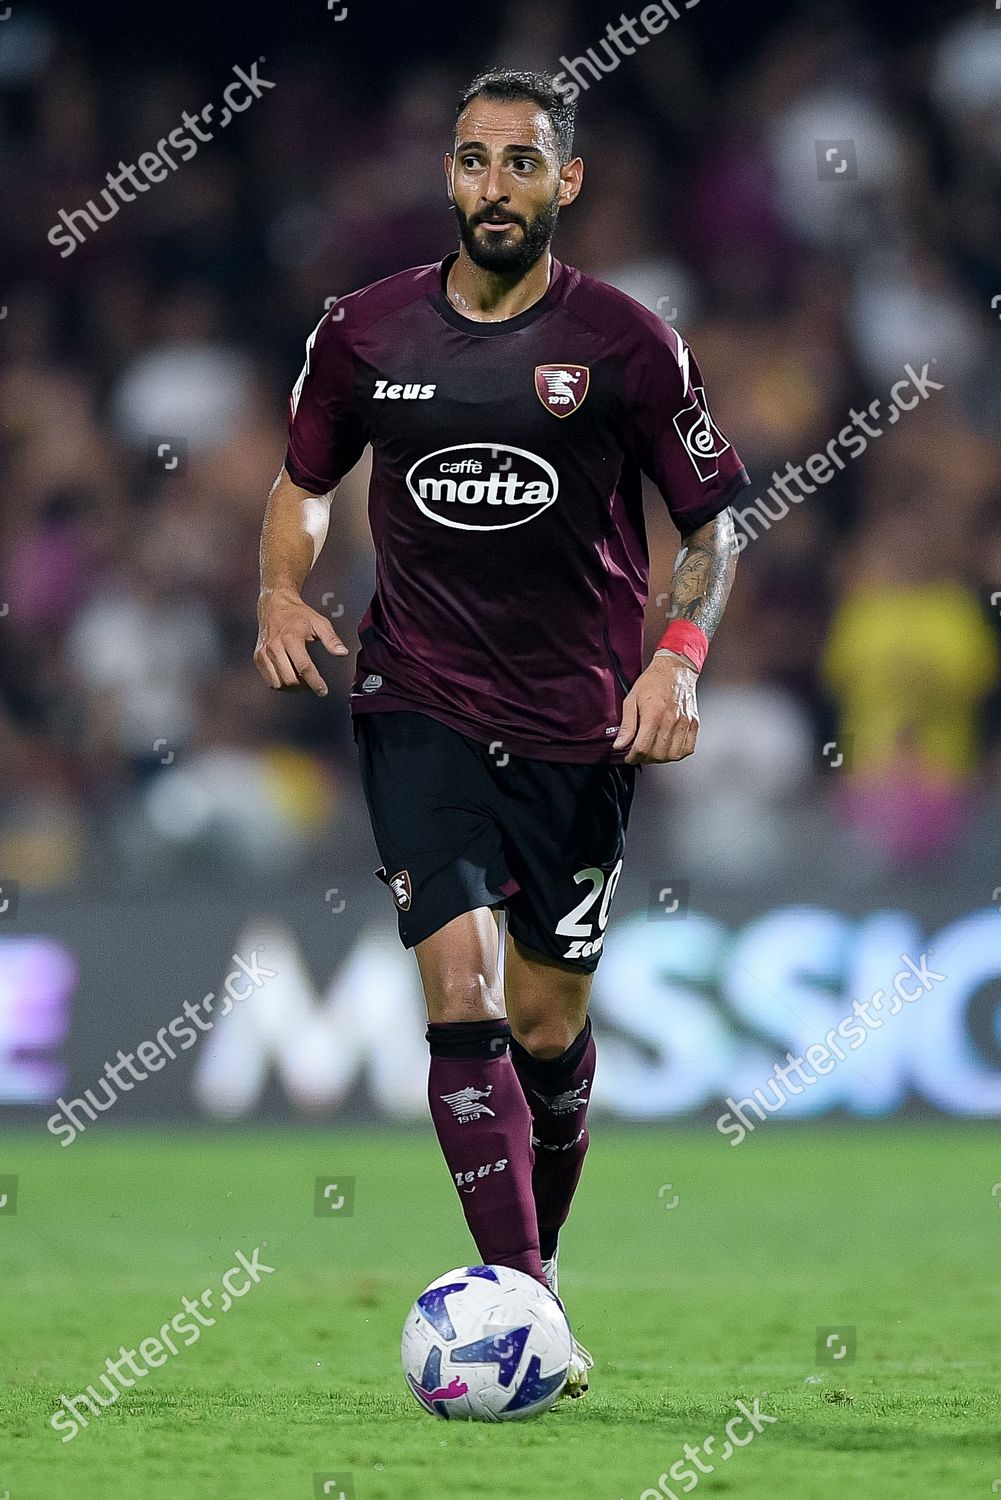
x=439, y=299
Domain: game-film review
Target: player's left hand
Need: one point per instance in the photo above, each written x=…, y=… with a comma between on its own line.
x=660, y=717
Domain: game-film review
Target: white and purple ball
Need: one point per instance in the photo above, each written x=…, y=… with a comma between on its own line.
x=486, y=1344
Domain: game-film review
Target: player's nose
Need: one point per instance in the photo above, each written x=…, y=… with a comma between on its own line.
x=494, y=191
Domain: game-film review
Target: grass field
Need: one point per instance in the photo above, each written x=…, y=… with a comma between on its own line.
x=892, y=1232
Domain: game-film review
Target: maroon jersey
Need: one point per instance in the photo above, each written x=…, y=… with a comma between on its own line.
x=506, y=501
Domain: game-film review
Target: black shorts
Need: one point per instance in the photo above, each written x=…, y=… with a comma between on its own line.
x=458, y=827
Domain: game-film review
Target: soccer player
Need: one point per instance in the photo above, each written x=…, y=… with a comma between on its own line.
x=500, y=705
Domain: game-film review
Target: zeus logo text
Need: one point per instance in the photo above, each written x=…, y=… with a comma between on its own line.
x=482, y=486
x=386, y=392
x=466, y=1181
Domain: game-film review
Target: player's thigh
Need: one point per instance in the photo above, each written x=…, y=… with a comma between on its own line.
x=429, y=793
x=564, y=839
x=459, y=969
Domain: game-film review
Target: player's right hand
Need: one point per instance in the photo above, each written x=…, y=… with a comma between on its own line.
x=286, y=625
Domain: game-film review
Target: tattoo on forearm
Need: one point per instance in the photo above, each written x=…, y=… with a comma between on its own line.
x=704, y=572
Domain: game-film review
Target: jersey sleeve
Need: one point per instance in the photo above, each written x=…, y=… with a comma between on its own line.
x=677, y=443
x=326, y=433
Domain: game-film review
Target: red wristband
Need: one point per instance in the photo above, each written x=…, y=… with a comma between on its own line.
x=687, y=639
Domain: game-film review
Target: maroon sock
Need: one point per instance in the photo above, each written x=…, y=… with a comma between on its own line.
x=484, y=1128
x=557, y=1090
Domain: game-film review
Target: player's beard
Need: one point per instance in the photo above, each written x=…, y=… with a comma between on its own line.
x=509, y=254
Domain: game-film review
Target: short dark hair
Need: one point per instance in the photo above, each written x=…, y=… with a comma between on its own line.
x=513, y=86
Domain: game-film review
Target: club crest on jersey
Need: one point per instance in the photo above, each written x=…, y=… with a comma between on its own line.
x=562, y=388
x=401, y=888
x=704, y=443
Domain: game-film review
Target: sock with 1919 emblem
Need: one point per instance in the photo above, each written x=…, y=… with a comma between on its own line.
x=557, y=1090
x=484, y=1128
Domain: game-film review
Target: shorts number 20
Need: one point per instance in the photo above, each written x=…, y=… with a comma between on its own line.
x=573, y=924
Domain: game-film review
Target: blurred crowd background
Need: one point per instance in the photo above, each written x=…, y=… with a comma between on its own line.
x=851, y=705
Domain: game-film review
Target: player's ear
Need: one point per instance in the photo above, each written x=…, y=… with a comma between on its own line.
x=571, y=178
x=449, y=163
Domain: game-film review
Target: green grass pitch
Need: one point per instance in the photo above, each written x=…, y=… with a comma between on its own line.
x=696, y=1272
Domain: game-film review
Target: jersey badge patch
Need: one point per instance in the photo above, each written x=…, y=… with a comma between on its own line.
x=702, y=439
x=562, y=388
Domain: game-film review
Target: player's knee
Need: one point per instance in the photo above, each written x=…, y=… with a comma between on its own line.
x=466, y=995
x=548, y=1037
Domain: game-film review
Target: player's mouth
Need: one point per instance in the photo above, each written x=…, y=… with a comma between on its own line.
x=497, y=226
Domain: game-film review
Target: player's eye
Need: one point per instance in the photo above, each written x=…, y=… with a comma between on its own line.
x=524, y=164
x=470, y=162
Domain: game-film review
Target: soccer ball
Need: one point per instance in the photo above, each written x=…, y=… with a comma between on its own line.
x=486, y=1344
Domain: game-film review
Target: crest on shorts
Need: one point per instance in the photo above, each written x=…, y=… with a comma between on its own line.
x=402, y=892
x=562, y=388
